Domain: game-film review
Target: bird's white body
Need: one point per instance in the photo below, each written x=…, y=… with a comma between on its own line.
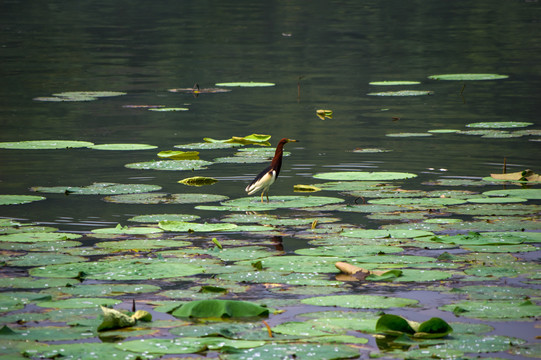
x=263, y=183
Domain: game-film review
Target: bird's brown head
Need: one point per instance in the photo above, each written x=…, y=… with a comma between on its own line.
x=286, y=140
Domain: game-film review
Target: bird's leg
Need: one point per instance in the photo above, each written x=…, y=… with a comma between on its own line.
x=267, y=196
x=262, y=196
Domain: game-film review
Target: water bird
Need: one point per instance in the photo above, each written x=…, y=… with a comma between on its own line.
x=267, y=177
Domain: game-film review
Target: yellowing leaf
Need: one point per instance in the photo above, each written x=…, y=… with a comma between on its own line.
x=198, y=181
x=324, y=114
x=526, y=175
x=305, y=188
x=114, y=319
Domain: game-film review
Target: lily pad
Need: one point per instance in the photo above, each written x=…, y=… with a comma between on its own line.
x=499, y=124
x=123, y=147
x=155, y=218
x=179, y=155
x=464, y=77
x=246, y=84
x=359, y=301
x=162, y=198
x=45, y=144
x=34, y=237
x=19, y=199
x=169, y=109
x=182, y=226
x=198, y=181
x=123, y=269
x=409, y=134
x=519, y=193
x=349, y=250
x=280, y=202
x=394, y=234
x=78, y=303
x=397, y=325
x=297, y=351
x=495, y=310
x=363, y=175
x=214, y=308
x=402, y=93
x=98, y=189
x=392, y=83
x=170, y=165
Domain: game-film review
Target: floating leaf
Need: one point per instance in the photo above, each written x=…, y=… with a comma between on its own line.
x=359, y=301
x=409, y=134
x=78, y=303
x=114, y=319
x=161, y=198
x=45, y=144
x=179, y=155
x=98, y=189
x=181, y=226
x=127, y=230
x=299, y=351
x=324, y=114
x=305, y=188
x=254, y=203
x=123, y=269
x=220, y=309
x=402, y=93
x=524, y=176
x=392, y=83
x=370, y=150
x=198, y=181
x=38, y=236
x=123, y=147
x=155, y=218
x=197, y=90
x=363, y=175
x=170, y=165
x=494, y=310
x=378, y=234
x=246, y=84
x=464, y=77
x=499, y=124
x=519, y=193
x=169, y=109
x=19, y=199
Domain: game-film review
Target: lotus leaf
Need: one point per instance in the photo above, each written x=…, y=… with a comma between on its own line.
x=123, y=147
x=298, y=351
x=246, y=84
x=499, y=124
x=519, y=193
x=359, y=301
x=19, y=199
x=98, y=189
x=198, y=181
x=77, y=303
x=363, y=175
x=179, y=155
x=155, y=218
x=398, y=82
x=182, y=226
x=170, y=165
x=162, y=198
x=220, y=309
x=38, y=236
x=464, y=77
x=402, y=93
x=44, y=144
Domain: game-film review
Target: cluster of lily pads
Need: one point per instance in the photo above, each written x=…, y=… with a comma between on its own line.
x=179, y=283
x=189, y=269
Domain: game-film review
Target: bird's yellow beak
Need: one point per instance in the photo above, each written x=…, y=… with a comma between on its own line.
x=292, y=140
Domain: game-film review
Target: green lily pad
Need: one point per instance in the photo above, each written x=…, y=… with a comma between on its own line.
x=391, y=83
x=487, y=292
x=280, y=202
x=349, y=250
x=214, y=308
x=409, y=134
x=402, y=93
x=98, y=189
x=397, y=325
x=464, y=77
x=364, y=175
x=246, y=84
x=162, y=198
x=45, y=144
x=208, y=146
x=155, y=218
x=443, y=131
x=170, y=165
x=418, y=201
x=31, y=283
x=182, y=226
x=299, y=352
x=179, y=155
x=499, y=124
x=19, y=199
x=495, y=310
x=50, y=333
x=307, y=264
x=39, y=258
x=127, y=230
x=91, y=290
x=519, y=193
x=77, y=303
x=169, y=109
x=123, y=147
x=474, y=238
x=276, y=277
x=142, y=244
x=33, y=237
x=95, y=94
x=359, y=301
x=123, y=269
x=394, y=234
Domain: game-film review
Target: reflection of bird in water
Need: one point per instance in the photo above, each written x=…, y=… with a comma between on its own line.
x=267, y=177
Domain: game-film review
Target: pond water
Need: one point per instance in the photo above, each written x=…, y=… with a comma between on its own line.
x=321, y=55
